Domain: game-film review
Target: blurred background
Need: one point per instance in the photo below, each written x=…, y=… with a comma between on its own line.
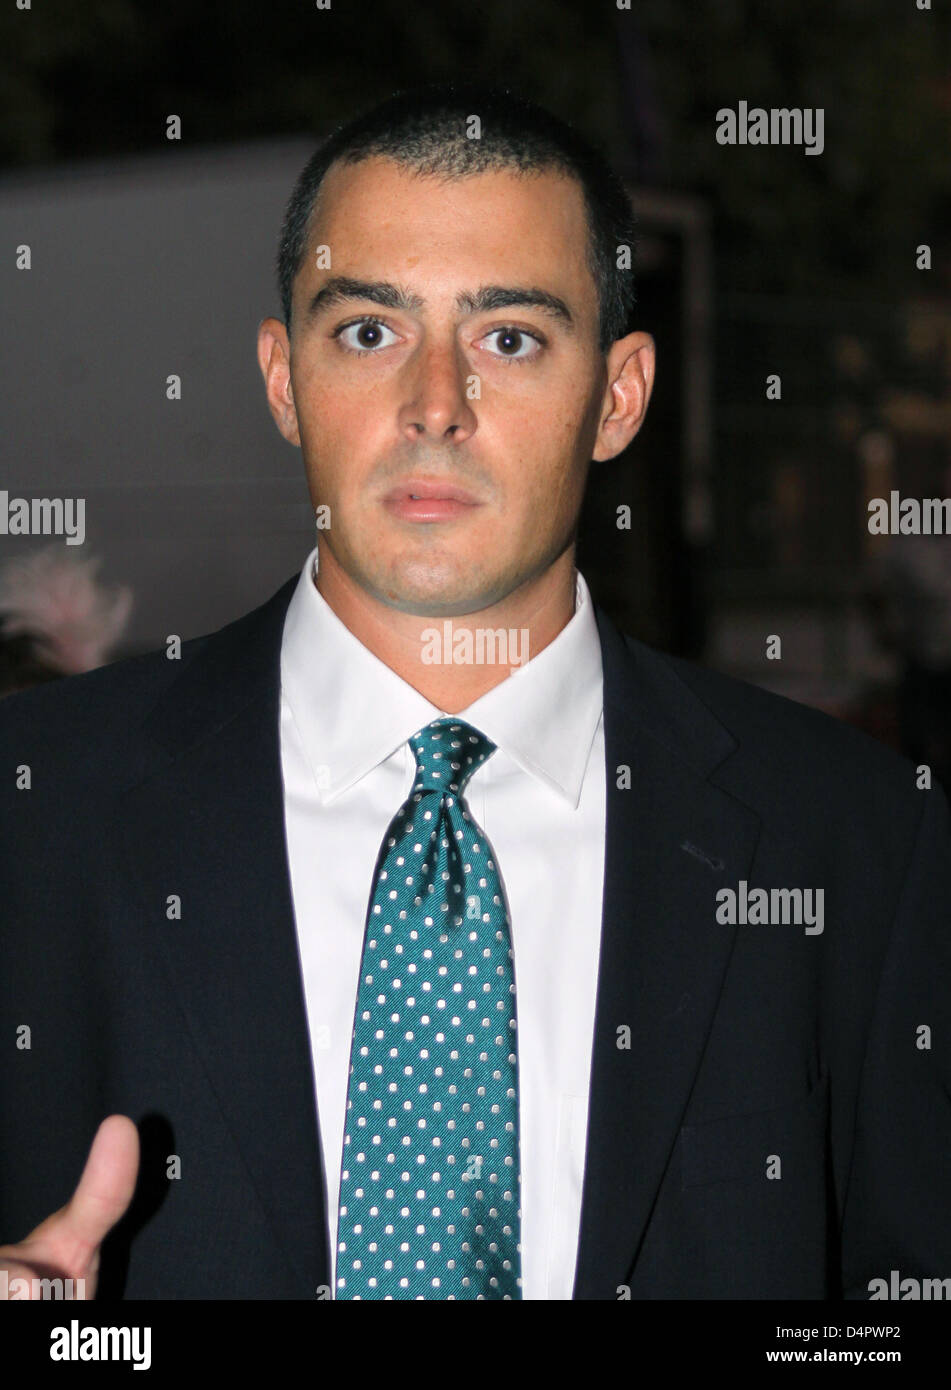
x=151, y=257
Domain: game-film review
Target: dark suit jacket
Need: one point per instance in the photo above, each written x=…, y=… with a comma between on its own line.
x=747, y=1043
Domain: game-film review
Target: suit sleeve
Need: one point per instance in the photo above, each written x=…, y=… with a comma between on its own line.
x=897, y=1205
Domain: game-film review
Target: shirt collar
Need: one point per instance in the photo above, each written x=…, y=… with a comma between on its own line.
x=353, y=711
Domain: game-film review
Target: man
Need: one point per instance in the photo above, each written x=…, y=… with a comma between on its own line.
x=423, y=975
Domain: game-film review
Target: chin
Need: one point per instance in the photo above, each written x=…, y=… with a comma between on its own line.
x=425, y=582
x=449, y=600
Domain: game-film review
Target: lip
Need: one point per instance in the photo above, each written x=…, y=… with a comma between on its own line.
x=425, y=499
x=430, y=489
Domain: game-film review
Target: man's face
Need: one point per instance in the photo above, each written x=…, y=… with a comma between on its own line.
x=416, y=367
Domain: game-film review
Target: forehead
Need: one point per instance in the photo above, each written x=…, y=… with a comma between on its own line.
x=380, y=217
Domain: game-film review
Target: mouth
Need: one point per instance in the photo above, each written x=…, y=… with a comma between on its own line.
x=421, y=499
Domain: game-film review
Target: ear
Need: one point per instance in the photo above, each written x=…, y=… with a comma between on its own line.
x=630, y=372
x=274, y=359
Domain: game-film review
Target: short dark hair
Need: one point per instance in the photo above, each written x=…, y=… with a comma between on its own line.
x=426, y=129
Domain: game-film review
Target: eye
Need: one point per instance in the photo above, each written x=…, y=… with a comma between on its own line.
x=364, y=335
x=517, y=344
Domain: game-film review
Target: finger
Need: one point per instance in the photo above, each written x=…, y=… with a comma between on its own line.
x=71, y=1236
x=107, y=1183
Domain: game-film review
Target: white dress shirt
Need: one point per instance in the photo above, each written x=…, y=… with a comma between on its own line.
x=539, y=799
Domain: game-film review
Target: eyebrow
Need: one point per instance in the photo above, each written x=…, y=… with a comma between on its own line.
x=341, y=289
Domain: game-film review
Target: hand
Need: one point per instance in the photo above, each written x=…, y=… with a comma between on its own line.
x=66, y=1245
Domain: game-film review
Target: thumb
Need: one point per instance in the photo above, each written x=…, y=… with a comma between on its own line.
x=72, y=1235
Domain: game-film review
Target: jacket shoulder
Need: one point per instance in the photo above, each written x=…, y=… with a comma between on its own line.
x=805, y=747
x=93, y=721
x=88, y=720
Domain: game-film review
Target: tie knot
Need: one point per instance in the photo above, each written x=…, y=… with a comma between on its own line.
x=447, y=753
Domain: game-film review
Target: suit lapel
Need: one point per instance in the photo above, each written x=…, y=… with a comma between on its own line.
x=207, y=824
x=663, y=954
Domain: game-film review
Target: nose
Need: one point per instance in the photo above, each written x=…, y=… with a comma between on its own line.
x=437, y=402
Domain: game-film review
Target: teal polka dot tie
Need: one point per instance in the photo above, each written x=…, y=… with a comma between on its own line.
x=429, y=1186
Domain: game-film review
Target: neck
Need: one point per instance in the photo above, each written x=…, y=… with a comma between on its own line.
x=452, y=661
